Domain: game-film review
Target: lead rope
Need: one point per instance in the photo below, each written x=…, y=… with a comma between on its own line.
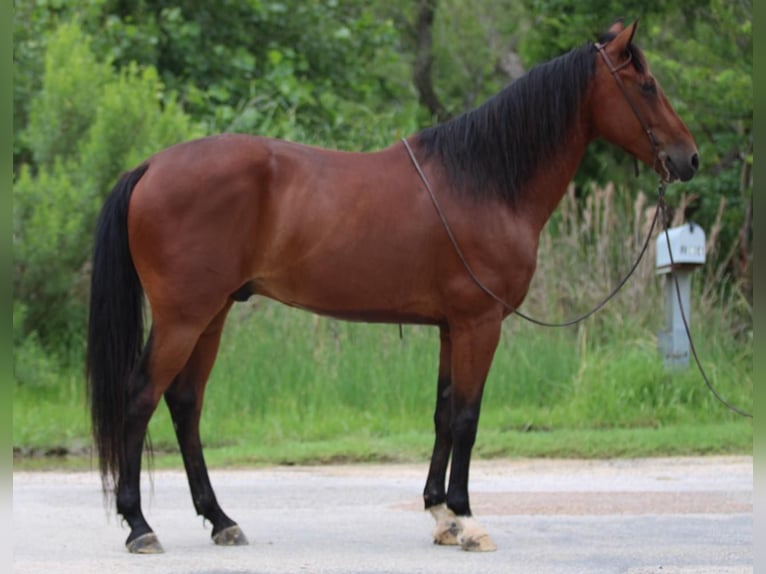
x=512, y=309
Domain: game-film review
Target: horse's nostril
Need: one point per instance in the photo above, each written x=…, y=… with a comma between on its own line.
x=695, y=161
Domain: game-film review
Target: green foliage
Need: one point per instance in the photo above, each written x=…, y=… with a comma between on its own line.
x=49, y=248
x=247, y=66
x=709, y=77
x=87, y=124
x=134, y=119
x=468, y=65
x=60, y=116
x=32, y=366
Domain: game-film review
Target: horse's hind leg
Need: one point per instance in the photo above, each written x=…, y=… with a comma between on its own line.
x=141, y=405
x=163, y=357
x=184, y=399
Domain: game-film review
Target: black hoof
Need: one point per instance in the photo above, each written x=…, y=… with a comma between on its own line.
x=145, y=544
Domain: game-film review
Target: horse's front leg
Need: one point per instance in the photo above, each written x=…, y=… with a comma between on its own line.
x=473, y=347
x=435, y=491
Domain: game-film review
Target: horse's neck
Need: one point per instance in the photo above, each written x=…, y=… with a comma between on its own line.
x=546, y=188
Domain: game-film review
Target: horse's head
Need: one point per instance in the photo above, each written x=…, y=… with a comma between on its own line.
x=630, y=109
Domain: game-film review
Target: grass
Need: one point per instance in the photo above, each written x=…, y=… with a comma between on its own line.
x=290, y=387
x=676, y=440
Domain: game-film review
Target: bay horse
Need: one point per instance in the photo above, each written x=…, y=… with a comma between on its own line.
x=354, y=236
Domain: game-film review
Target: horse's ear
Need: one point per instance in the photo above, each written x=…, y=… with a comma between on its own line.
x=632, y=28
x=619, y=45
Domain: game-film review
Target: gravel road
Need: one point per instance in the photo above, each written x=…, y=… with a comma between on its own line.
x=663, y=516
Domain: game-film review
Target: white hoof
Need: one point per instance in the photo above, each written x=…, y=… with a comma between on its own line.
x=473, y=537
x=447, y=528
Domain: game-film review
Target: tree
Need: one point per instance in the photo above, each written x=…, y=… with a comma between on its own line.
x=86, y=124
x=424, y=60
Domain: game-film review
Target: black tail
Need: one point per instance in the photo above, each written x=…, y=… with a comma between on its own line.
x=115, y=327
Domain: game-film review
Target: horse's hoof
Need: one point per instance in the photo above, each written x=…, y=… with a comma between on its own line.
x=473, y=538
x=481, y=544
x=145, y=544
x=231, y=536
x=446, y=531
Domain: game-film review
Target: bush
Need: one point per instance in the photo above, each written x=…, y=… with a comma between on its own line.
x=87, y=124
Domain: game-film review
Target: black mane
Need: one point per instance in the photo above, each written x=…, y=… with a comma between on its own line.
x=493, y=150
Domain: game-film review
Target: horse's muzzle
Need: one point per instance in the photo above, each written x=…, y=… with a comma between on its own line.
x=680, y=163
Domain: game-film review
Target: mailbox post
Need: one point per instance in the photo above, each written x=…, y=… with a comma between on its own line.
x=687, y=244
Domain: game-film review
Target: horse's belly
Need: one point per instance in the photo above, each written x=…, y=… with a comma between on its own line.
x=368, y=287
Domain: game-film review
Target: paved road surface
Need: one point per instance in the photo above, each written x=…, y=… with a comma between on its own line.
x=662, y=516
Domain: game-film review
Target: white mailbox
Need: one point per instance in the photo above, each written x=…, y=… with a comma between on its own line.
x=687, y=243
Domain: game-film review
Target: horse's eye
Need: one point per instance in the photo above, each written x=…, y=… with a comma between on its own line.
x=649, y=87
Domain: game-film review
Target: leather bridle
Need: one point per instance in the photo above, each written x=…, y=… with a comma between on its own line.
x=658, y=153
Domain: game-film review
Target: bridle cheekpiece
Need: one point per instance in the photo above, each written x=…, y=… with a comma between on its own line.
x=659, y=154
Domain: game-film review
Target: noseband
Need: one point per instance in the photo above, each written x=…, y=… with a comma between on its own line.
x=658, y=154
